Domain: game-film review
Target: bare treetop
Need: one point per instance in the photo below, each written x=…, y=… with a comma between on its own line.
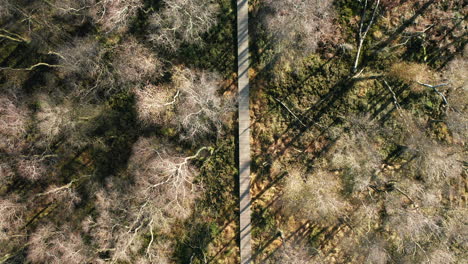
x=314, y=196
x=202, y=109
x=13, y=121
x=182, y=21
x=84, y=69
x=115, y=14
x=57, y=245
x=162, y=174
x=357, y=152
x=11, y=218
x=136, y=63
x=193, y=98
x=298, y=23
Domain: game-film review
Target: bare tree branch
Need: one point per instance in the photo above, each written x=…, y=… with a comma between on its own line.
x=434, y=87
x=395, y=101
x=12, y=36
x=291, y=112
x=363, y=33
x=32, y=67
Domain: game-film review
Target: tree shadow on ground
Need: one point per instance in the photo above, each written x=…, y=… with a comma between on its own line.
x=215, y=210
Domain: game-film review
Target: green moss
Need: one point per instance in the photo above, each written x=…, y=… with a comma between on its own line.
x=347, y=10
x=217, y=175
x=264, y=222
x=191, y=247
x=169, y=131
x=316, y=237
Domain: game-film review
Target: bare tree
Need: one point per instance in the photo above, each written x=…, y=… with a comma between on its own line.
x=80, y=55
x=32, y=167
x=363, y=28
x=299, y=26
x=65, y=196
x=27, y=162
x=356, y=153
x=84, y=69
x=457, y=69
x=441, y=256
x=49, y=244
x=159, y=252
x=114, y=15
x=119, y=203
x=124, y=242
x=437, y=163
x=363, y=245
x=363, y=218
x=163, y=192
x=155, y=103
x=412, y=228
x=106, y=229
x=6, y=172
x=377, y=254
x=182, y=21
x=159, y=173
x=457, y=113
x=62, y=120
x=13, y=122
x=87, y=71
x=433, y=162
x=73, y=7
x=193, y=96
x=53, y=119
x=455, y=228
x=12, y=236
x=12, y=219
x=136, y=63
x=111, y=211
x=201, y=110
x=314, y=197
x=121, y=241
x=456, y=118
x=292, y=253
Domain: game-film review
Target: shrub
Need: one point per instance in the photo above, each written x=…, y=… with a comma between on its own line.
x=410, y=73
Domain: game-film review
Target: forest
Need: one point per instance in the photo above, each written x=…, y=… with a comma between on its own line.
x=119, y=131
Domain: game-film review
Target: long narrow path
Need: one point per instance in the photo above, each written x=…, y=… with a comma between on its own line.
x=244, y=130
